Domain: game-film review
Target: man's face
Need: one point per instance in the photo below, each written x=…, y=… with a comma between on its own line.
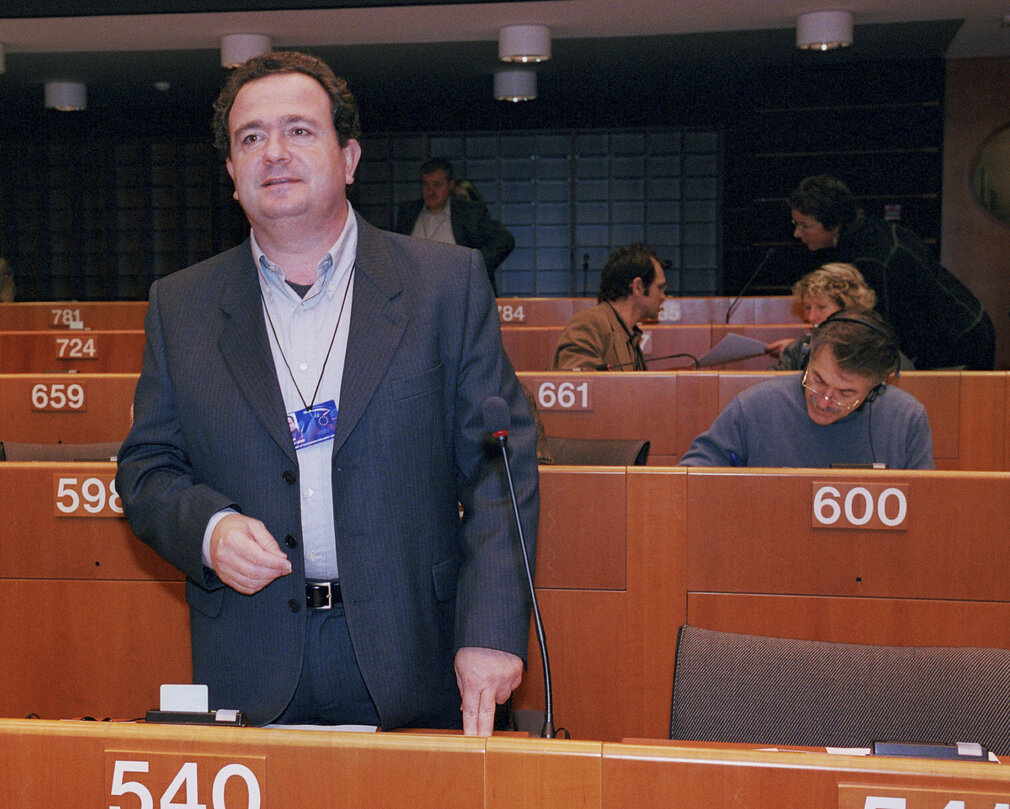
x=812, y=233
x=831, y=394
x=650, y=300
x=435, y=189
x=285, y=160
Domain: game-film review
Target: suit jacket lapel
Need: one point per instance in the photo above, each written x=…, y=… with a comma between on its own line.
x=378, y=321
x=246, y=348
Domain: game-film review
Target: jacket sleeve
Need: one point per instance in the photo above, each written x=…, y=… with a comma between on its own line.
x=492, y=238
x=493, y=604
x=720, y=444
x=165, y=507
x=580, y=347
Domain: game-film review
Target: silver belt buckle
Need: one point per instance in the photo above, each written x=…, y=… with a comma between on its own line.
x=329, y=594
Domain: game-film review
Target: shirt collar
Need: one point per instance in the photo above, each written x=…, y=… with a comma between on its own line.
x=333, y=266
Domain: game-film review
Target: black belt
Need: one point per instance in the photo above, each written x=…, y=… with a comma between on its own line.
x=322, y=595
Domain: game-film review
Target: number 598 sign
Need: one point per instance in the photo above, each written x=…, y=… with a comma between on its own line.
x=873, y=506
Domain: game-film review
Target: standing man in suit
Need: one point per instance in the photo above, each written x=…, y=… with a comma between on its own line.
x=309, y=449
x=443, y=217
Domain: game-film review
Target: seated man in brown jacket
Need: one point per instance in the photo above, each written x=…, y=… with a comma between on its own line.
x=607, y=336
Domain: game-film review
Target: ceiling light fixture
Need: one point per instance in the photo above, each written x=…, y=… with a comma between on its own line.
x=824, y=30
x=66, y=96
x=515, y=85
x=524, y=43
x=238, y=48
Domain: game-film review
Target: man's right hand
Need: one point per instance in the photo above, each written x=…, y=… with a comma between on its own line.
x=245, y=555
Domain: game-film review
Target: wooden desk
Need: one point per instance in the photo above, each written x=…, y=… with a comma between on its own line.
x=32, y=315
x=531, y=348
x=624, y=557
x=23, y=352
x=65, y=408
x=72, y=764
x=670, y=409
x=736, y=550
x=93, y=620
x=688, y=775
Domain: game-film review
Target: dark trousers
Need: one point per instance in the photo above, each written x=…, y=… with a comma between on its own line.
x=330, y=689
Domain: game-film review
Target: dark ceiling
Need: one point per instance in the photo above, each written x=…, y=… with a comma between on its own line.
x=650, y=79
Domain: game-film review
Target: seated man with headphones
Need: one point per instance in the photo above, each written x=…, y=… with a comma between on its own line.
x=839, y=411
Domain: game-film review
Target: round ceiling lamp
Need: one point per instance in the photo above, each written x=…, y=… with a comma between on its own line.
x=239, y=48
x=524, y=43
x=515, y=85
x=824, y=30
x=66, y=96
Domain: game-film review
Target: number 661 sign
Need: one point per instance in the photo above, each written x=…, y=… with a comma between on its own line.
x=873, y=506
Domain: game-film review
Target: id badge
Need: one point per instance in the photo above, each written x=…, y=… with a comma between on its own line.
x=313, y=425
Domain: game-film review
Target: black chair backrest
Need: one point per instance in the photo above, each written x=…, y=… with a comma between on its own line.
x=18, y=451
x=598, y=451
x=750, y=688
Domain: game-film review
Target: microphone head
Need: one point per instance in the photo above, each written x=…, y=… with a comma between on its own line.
x=497, y=418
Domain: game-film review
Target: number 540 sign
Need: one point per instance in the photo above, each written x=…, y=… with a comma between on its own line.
x=175, y=781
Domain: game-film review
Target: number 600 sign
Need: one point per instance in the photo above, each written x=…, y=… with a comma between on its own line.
x=874, y=506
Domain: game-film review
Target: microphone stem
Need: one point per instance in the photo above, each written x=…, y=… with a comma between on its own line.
x=548, y=731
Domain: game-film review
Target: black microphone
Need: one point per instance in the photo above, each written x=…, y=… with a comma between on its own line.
x=497, y=420
x=616, y=365
x=745, y=287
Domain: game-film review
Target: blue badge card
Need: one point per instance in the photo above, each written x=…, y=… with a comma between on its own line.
x=314, y=424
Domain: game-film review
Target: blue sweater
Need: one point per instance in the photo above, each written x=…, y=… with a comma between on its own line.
x=768, y=425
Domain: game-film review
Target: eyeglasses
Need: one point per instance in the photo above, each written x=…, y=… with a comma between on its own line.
x=803, y=226
x=820, y=394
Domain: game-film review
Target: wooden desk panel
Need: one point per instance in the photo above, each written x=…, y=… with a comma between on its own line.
x=71, y=764
x=685, y=775
x=755, y=535
x=39, y=544
x=32, y=352
x=76, y=648
x=68, y=764
x=878, y=621
x=663, y=340
x=103, y=416
x=539, y=311
x=612, y=652
x=775, y=309
x=624, y=404
x=531, y=348
x=585, y=546
x=543, y=773
x=31, y=315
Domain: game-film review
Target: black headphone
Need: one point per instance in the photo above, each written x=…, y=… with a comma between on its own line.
x=862, y=320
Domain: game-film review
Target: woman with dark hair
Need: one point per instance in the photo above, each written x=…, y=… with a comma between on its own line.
x=939, y=322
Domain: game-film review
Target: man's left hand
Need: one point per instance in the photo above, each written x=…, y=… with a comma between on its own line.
x=485, y=678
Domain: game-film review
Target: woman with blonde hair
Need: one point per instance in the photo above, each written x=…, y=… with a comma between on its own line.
x=818, y=295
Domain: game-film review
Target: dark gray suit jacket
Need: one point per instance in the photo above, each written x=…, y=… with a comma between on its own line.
x=424, y=352
x=472, y=226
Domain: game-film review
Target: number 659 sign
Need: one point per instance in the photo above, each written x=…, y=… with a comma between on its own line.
x=873, y=506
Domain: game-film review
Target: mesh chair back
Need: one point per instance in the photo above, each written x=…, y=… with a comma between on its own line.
x=749, y=688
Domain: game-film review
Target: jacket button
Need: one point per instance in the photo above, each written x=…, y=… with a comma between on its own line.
x=289, y=476
x=290, y=541
x=294, y=606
